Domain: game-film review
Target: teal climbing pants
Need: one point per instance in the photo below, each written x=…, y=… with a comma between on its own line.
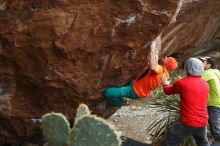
x=117, y=94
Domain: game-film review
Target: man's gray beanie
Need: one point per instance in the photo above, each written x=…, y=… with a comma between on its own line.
x=194, y=67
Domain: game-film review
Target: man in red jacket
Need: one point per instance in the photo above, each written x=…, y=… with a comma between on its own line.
x=193, y=91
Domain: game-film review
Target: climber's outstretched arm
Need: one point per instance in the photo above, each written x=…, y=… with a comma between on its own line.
x=152, y=63
x=153, y=57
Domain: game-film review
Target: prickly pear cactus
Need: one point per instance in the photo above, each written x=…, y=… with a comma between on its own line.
x=93, y=131
x=55, y=129
x=81, y=111
x=88, y=130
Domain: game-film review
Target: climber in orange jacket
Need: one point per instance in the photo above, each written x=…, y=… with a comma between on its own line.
x=144, y=84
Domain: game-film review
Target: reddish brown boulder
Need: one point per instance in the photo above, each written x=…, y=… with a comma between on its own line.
x=55, y=54
x=195, y=32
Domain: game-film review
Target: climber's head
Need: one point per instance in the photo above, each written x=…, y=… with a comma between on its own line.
x=169, y=63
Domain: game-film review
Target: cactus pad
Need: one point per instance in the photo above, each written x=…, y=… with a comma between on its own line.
x=55, y=129
x=82, y=110
x=93, y=131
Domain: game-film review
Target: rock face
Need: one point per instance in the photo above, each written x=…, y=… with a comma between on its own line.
x=55, y=54
x=195, y=32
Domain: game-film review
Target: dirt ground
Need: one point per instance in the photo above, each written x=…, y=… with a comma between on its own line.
x=132, y=120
